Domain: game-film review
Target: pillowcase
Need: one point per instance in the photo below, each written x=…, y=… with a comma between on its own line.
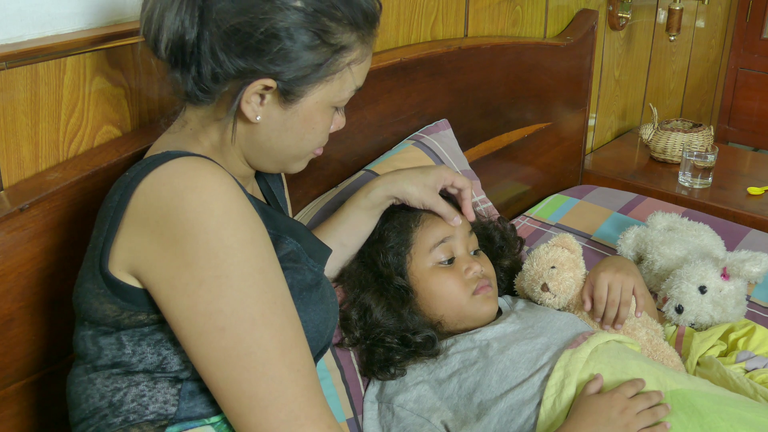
x=433, y=145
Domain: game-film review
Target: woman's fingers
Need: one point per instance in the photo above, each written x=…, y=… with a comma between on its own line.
x=460, y=187
x=443, y=209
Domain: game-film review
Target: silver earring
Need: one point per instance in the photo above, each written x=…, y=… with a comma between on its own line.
x=258, y=118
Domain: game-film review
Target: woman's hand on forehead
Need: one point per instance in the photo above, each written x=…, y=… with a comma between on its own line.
x=420, y=188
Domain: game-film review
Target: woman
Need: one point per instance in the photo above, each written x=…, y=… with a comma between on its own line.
x=199, y=294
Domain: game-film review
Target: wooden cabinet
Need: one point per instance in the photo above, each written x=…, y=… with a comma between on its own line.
x=744, y=112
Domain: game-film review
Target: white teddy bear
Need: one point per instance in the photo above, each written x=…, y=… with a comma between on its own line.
x=686, y=264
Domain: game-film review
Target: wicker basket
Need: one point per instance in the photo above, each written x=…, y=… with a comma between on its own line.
x=666, y=139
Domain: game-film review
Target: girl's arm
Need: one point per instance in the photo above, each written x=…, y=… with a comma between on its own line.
x=203, y=253
x=623, y=409
x=609, y=288
x=348, y=228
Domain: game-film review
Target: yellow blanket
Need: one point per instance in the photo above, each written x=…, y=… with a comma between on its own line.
x=697, y=405
x=733, y=356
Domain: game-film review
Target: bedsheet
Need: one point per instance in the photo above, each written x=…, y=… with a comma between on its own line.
x=733, y=356
x=698, y=405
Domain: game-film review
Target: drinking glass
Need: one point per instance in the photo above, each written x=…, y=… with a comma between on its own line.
x=697, y=165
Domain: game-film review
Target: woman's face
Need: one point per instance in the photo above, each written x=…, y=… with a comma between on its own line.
x=284, y=140
x=454, y=281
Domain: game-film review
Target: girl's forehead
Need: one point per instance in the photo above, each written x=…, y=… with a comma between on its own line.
x=434, y=230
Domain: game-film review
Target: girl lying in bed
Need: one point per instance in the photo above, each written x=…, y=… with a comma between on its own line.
x=430, y=308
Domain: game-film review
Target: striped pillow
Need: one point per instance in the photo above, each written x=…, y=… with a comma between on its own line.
x=434, y=145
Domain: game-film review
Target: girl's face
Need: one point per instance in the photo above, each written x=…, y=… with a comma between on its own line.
x=454, y=281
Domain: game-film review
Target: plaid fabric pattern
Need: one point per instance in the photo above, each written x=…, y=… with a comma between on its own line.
x=597, y=216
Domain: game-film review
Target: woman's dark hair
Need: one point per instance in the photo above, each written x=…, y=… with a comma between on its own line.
x=379, y=316
x=212, y=46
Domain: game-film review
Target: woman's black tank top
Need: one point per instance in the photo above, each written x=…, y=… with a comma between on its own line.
x=130, y=369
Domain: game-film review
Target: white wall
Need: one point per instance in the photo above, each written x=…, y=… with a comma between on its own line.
x=28, y=19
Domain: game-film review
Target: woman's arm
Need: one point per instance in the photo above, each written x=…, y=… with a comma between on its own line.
x=348, y=228
x=205, y=256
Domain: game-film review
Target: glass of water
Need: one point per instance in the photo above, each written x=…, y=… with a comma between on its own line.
x=697, y=165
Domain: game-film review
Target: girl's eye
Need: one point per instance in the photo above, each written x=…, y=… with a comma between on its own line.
x=340, y=110
x=448, y=262
x=477, y=252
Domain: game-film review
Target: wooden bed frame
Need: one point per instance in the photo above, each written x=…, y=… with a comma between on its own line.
x=519, y=108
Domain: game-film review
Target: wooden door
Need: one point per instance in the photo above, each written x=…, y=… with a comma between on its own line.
x=756, y=41
x=744, y=112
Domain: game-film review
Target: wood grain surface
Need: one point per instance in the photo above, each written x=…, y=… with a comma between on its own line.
x=669, y=65
x=722, y=74
x=45, y=224
x=706, y=60
x=524, y=18
x=420, y=93
x=559, y=15
x=47, y=48
x=749, y=111
x=626, y=55
x=739, y=119
x=405, y=22
x=52, y=111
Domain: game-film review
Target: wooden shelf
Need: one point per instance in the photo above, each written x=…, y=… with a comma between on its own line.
x=625, y=164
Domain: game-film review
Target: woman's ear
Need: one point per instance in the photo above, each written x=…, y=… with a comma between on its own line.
x=256, y=97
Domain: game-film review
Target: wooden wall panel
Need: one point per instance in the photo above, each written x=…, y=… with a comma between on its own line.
x=559, y=15
x=626, y=55
x=724, y=62
x=523, y=18
x=52, y=111
x=405, y=22
x=706, y=60
x=669, y=64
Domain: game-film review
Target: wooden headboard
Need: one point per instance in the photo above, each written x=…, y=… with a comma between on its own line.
x=519, y=108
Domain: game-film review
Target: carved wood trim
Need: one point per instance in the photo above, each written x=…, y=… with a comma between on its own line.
x=52, y=47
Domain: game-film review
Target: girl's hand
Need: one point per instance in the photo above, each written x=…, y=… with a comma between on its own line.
x=420, y=188
x=609, y=289
x=622, y=409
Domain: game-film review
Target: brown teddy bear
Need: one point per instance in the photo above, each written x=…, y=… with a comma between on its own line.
x=553, y=276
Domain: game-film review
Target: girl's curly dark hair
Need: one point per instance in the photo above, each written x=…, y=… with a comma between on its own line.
x=379, y=316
